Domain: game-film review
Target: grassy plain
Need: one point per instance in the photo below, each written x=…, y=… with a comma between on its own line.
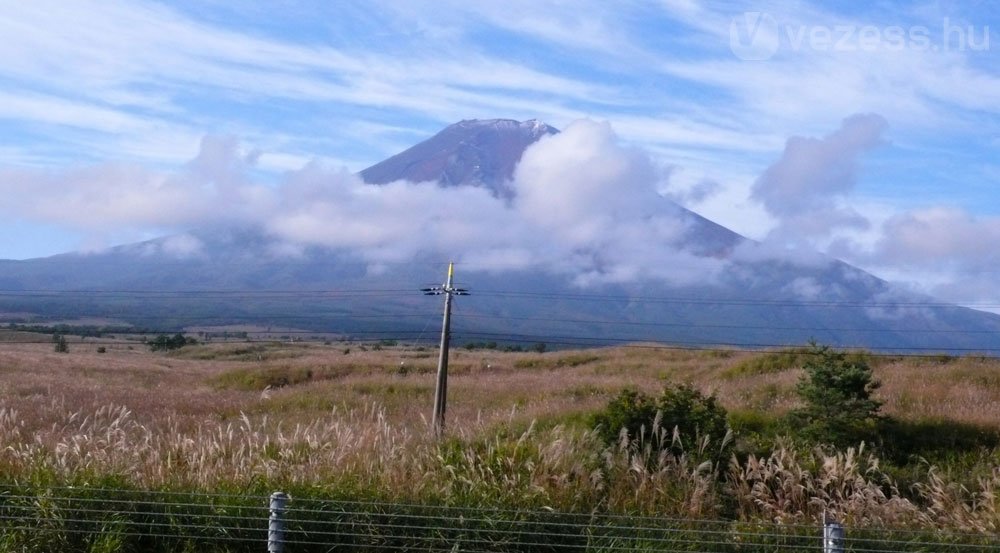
x=298, y=382
x=350, y=420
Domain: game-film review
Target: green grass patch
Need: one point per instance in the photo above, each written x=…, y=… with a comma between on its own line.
x=933, y=439
x=15, y=336
x=241, y=352
x=784, y=360
x=258, y=378
x=767, y=363
x=547, y=362
x=584, y=391
x=574, y=420
x=393, y=390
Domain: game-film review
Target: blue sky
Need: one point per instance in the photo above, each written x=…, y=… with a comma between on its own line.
x=713, y=93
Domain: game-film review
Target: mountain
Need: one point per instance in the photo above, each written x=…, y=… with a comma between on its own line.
x=238, y=277
x=468, y=153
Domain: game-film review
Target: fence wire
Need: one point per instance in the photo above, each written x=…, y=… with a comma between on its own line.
x=67, y=519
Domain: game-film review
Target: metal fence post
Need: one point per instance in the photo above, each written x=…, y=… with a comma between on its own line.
x=276, y=523
x=833, y=536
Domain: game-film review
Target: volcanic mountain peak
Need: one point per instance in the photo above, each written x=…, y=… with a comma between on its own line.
x=531, y=127
x=476, y=152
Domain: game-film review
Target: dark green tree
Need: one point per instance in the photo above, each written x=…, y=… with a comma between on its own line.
x=60, y=343
x=837, y=392
x=167, y=343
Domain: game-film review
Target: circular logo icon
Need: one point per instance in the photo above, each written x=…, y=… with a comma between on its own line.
x=754, y=36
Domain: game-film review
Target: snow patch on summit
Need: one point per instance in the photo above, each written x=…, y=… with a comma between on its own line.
x=532, y=127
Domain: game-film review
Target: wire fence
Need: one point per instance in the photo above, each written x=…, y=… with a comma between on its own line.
x=103, y=520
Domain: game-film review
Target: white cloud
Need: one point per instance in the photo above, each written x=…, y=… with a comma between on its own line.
x=598, y=200
x=128, y=201
x=182, y=246
x=806, y=288
x=940, y=235
x=943, y=251
x=584, y=206
x=804, y=190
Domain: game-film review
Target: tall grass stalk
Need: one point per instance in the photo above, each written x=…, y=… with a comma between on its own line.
x=361, y=454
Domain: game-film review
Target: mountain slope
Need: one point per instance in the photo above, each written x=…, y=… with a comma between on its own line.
x=237, y=277
x=468, y=153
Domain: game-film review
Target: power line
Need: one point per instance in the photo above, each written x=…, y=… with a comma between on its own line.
x=313, y=293
x=720, y=326
x=202, y=293
x=361, y=333
x=264, y=319
x=684, y=344
x=317, y=296
x=730, y=301
x=570, y=341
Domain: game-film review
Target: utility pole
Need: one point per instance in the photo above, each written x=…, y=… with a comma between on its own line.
x=441, y=388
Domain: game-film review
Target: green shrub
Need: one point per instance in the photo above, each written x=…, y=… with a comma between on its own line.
x=629, y=410
x=758, y=432
x=678, y=420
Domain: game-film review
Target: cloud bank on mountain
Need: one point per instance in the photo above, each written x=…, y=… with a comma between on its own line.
x=584, y=205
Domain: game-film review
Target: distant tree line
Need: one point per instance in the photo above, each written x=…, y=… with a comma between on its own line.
x=539, y=347
x=224, y=335
x=164, y=342
x=84, y=331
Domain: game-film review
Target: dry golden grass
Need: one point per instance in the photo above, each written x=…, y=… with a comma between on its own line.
x=962, y=389
x=308, y=414
x=218, y=382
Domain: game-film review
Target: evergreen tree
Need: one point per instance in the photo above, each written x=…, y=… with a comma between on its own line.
x=837, y=390
x=60, y=343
